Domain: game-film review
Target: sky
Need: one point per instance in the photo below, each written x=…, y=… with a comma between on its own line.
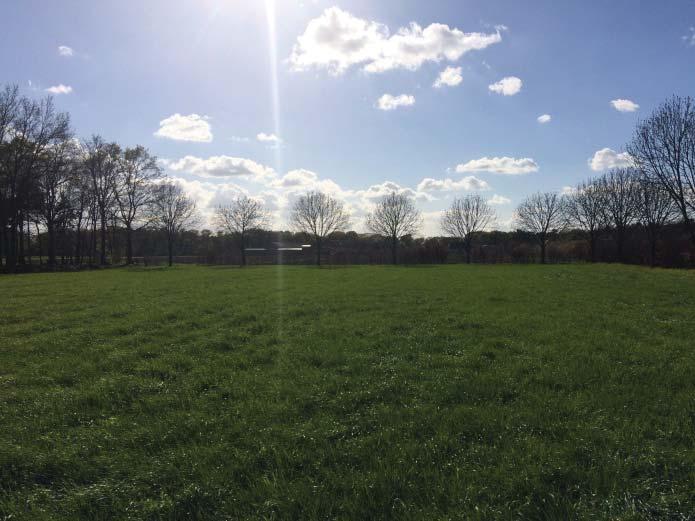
x=358, y=98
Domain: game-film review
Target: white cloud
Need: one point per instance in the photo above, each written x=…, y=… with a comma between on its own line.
x=508, y=86
x=624, y=105
x=268, y=138
x=221, y=166
x=378, y=191
x=66, y=51
x=499, y=199
x=336, y=40
x=302, y=180
x=499, y=165
x=568, y=190
x=432, y=223
x=607, y=158
x=450, y=77
x=389, y=102
x=208, y=196
x=239, y=139
x=689, y=38
x=544, y=118
x=185, y=128
x=59, y=89
x=449, y=185
x=297, y=178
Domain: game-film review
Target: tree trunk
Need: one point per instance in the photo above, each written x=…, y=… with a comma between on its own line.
x=592, y=246
x=50, y=228
x=171, y=249
x=38, y=242
x=543, y=244
x=78, y=253
x=653, y=234
x=318, y=252
x=394, y=250
x=102, y=259
x=620, y=240
x=243, y=250
x=468, y=246
x=29, y=241
x=2, y=243
x=691, y=229
x=20, y=241
x=93, y=241
x=129, y=244
x=12, y=249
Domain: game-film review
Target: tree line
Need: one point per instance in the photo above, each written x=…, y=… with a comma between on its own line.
x=76, y=191
x=91, y=202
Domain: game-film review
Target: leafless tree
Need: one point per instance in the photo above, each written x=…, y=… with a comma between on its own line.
x=82, y=203
x=173, y=211
x=621, y=203
x=465, y=218
x=542, y=215
x=136, y=173
x=241, y=216
x=9, y=100
x=319, y=215
x=394, y=217
x=663, y=147
x=33, y=128
x=101, y=161
x=656, y=208
x=584, y=209
x=54, y=179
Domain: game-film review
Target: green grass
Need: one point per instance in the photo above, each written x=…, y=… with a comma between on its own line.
x=454, y=392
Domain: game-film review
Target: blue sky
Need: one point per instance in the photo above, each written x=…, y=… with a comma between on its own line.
x=315, y=80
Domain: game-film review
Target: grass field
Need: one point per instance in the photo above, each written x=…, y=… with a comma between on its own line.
x=454, y=392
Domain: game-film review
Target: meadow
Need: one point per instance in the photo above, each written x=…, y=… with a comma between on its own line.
x=449, y=392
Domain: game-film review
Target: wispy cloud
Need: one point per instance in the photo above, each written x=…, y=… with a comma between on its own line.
x=390, y=102
x=499, y=165
x=268, y=138
x=59, y=89
x=64, y=50
x=469, y=183
x=624, y=105
x=499, y=200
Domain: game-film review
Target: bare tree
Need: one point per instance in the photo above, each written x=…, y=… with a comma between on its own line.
x=54, y=178
x=542, y=215
x=239, y=218
x=656, y=208
x=663, y=147
x=82, y=203
x=101, y=163
x=584, y=209
x=394, y=217
x=173, y=211
x=621, y=203
x=9, y=101
x=465, y=218
x=33, y=128
x=137, y=172
x=319, y=215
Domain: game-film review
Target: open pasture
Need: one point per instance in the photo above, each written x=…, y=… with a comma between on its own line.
x=450, y=392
